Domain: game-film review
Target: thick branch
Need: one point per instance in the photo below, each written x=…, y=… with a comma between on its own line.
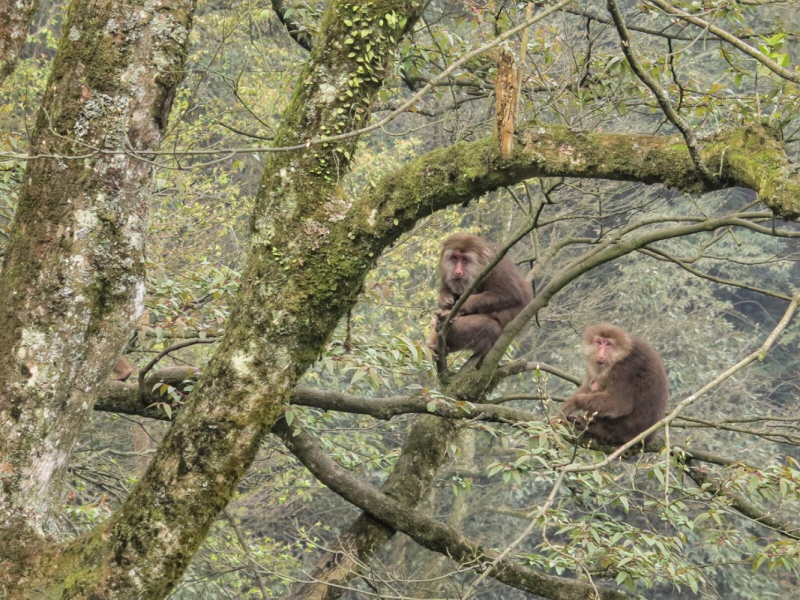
x=748, y=157
x=127, y=399
x=386, y=408
x=124, y=398
x=428, y=532
x=296, y=31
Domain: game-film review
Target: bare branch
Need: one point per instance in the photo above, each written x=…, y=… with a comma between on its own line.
x=661, y=96
x=731, y=39
x=738, y=502
x=664, y=256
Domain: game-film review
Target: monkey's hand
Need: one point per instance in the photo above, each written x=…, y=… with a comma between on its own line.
x=433, y=338
x=446, y=301
x=578, y=420
x=440, y=318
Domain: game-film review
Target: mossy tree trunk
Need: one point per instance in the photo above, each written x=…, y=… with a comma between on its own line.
x=307, y=261
x=15, y=19
x=73, y=277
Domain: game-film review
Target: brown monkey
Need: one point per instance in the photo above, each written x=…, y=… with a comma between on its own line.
x=122, y=369
x=626, y=387
x=493, y=304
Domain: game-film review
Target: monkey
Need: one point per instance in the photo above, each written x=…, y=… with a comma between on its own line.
x=122, y=369
x=625, y=390
x=493, y=304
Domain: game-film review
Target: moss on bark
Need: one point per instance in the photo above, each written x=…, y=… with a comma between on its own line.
x=73, y=277
x=302, y=275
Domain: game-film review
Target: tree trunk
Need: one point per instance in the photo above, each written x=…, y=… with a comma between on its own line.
x=73, y=278
x=306, y=266
x=15, y=19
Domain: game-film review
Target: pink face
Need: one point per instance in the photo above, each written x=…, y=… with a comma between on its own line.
x=603, y=347
x=459, y=264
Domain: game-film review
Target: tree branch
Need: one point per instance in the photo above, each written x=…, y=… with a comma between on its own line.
x=731, y=39
x=659, y=93
x=295, y=30
x=525, y=366
x=741, y=505
x=666, y=257
x=426, y=531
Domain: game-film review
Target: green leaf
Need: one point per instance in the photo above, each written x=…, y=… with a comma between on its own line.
x=495, y=469
x=358, y=376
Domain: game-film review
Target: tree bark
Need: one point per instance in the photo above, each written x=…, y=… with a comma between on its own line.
x=305, y=268
x=73, y=277
x=15, y=20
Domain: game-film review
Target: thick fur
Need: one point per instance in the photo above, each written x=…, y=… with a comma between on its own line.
x=624, y=397
x=495, y=302
x=122, y=369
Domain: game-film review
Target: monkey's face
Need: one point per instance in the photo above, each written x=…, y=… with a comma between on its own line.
x=460, y=268
x=601, y=354
x=604, y=350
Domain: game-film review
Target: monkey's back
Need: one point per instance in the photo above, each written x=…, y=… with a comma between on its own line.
x=512, y=291
x=638, y=381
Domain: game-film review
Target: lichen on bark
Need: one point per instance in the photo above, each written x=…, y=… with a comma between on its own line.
x=302, y=275
x=73, y=276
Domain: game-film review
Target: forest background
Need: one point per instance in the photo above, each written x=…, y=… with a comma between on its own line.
x=657, y=191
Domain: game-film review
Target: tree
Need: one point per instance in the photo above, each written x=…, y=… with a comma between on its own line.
x=73, y=277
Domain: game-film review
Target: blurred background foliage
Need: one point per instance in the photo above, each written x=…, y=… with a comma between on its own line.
x=242, y=69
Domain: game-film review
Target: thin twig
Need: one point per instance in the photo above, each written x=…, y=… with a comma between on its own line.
x=539, y=513
x=659, y=93
x=247, y=553
x=731, y=39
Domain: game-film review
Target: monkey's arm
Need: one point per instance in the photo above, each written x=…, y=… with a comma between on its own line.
x=601, y=403
x=571, y=404
x=489, y=302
